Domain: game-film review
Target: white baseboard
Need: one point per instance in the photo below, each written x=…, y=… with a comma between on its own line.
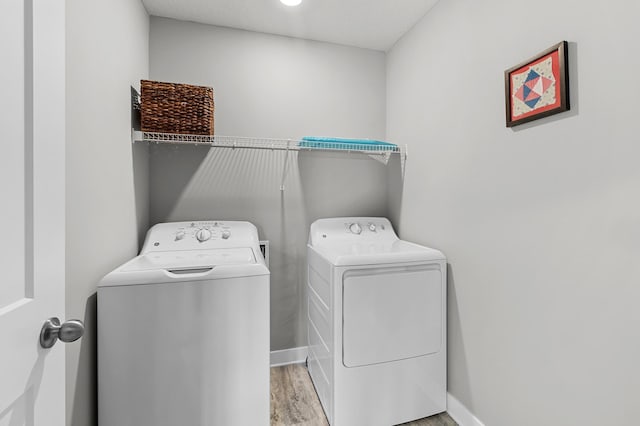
x=460, y=413
x=289, y=356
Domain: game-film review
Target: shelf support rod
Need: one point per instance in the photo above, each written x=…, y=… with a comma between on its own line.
x=284, y=168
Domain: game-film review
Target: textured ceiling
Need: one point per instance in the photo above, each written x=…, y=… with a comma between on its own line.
x=371, y=24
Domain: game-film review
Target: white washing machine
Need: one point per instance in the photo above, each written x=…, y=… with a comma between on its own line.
x=183, y=330
x=377, y=323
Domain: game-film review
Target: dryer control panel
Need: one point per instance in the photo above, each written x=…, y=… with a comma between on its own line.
x=200, y=235
x=351, y=229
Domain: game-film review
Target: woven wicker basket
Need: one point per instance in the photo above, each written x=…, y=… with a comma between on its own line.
x=176, y=108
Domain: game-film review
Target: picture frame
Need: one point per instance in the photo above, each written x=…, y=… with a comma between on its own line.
x=538, y=87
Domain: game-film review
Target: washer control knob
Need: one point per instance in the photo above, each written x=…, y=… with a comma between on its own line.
x=372, y=227
x=203, y=235
x=226, y=234
x=180, y=235
x=355, y=228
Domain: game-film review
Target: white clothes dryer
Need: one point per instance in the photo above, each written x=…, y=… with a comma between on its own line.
x=376, y=323
x=183, y=330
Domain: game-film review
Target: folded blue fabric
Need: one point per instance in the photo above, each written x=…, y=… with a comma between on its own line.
x=343, y=143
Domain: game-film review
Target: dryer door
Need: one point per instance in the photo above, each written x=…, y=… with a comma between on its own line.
x=391, y=314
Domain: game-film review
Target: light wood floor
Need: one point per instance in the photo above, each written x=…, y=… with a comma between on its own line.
x=294, y=401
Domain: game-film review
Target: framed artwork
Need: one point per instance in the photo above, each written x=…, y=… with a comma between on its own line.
x=538, y=87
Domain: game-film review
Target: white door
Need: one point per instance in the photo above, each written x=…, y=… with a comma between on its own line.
x=32, y=123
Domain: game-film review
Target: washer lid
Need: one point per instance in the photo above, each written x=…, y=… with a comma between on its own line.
x=398, y=251
x=187, y=265
x=190, y=259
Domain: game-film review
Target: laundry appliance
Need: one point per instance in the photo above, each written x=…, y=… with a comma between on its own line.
x=183, y=330
x=376, y=323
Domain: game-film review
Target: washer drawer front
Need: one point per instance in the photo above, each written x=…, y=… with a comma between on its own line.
x=391, y=314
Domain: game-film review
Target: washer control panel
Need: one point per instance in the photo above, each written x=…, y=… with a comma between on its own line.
x=354, y=229
x=200, y=235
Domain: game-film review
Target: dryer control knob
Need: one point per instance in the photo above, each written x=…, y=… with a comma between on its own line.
x=355, y=228
x=180, y=235
x=372, y=227
x=226, y=235
x=203, y=235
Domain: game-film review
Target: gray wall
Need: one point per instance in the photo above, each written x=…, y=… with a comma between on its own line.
x=272, y=87
x=107, y=195
x=539, y=223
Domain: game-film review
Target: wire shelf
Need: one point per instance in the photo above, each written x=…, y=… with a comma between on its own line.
x=381, y=153
x=260, y=143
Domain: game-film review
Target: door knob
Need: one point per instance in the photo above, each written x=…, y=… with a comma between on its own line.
x=51, y=331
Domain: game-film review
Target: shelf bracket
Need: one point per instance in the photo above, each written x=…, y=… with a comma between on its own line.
x=381, y=158
x=404, y=153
